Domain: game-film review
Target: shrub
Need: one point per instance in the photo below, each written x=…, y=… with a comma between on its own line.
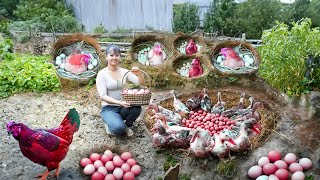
x=27, y=73
x=185, y=17
x=284, y=56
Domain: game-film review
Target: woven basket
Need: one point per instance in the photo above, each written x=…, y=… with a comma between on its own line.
x=137, y=99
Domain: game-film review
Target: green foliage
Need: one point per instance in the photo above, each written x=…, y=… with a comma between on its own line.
x=170, y=161
x=100, y=29
x=6, y=49
x=254, y=16
x=284, y=55
x=184, y=177
x=220, y=17
x=185, y=17
x=314, y=13
x=45, y=16
x=7, y=7
x=27, y=73
x=227, y=168
x=4, y=28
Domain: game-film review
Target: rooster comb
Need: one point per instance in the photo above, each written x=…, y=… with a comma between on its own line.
x=11, y=123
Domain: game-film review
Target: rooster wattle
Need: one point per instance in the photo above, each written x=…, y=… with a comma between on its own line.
x=46, y=147
x=232, y=59
x=191, y=47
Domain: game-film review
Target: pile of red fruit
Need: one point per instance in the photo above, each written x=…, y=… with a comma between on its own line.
x=110, y=166
x=273, y=167
x=214, y=123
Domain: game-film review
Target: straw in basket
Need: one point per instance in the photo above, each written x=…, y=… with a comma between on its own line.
x=138, y=95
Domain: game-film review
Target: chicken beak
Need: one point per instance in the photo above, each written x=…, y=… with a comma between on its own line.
x=256, y=128
x=231, y=141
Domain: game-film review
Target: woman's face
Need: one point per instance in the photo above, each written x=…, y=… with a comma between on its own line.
x=113, y=58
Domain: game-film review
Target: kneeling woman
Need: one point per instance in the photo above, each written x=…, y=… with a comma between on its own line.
x=116, y=113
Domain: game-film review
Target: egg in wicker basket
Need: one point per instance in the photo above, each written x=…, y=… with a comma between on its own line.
x=137, y=95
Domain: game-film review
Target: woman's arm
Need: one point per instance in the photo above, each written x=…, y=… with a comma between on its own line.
x=136, y=71
x=101, y=84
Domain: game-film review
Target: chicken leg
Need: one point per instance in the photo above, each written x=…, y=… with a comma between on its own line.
x=43, y=176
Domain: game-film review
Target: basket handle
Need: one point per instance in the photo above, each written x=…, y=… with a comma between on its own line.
x=148, y=77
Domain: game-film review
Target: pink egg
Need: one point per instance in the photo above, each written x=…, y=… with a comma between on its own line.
x=97, y=176
x=128, y=176
x=125, y=167
x=306, y=163
x=294, y=167
x=85, y=161
x=98, y=164
x=131, y=162
x=274, y=155
x=108, y=152
x=118, y=173
x=281, y=164
x=290, y=158
x=146, y=91
x=263, y=160
x=269, y=169
x=255, y=171
x=125, y=91
x=117, y=161
x=136, y=169
x=109, y=166
x=89, y=169
x=298, y=176
x=103, y=170
x=282, y=174
x=126, y=155
x=105, y=158
x=94, y=157
x=273, y=177
x=110, y=177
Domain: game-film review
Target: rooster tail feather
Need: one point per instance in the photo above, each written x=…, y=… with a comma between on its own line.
x=72, y=118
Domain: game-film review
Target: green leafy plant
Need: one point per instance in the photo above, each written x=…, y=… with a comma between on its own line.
x=185, y=17
x=170, y=161
x=6, y=49
x=227, y=169
x=284, y=55
x=27, y=73
x=100, y=29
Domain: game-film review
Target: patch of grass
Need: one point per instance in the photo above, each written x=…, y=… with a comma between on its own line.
x=170, y=161
x=227, y=169
x=184, y=177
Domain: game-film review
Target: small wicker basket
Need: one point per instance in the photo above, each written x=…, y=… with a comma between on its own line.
x=137, y=99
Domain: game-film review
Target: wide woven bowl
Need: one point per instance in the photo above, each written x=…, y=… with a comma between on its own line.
x=244, y=48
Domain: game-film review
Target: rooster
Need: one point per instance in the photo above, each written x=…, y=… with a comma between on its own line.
x=46, y=147
x=196, y=68
x=156, y=55
x=232, y=59
x=77, y=63
x=191, y=47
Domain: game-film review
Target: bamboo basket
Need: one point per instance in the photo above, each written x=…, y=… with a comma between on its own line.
x=137, y=99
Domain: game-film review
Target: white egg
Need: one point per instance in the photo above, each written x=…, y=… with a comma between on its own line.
x=62, y=56
x=61, y=66
x=94, y=62
x=58, y=61
x=219, y=59
x=247, y=64
x=263, y=161
x=306, y=163
x=58, y=58
x=299, y=175
x=262, y=177
x=90, y=66
x=83, y=52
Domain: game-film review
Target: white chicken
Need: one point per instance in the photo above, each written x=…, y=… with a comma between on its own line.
x=201, y=143
x=221, y=147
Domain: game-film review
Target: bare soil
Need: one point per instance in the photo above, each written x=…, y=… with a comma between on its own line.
x=293, y=132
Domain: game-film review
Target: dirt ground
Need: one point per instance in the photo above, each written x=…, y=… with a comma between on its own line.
x=294, y=133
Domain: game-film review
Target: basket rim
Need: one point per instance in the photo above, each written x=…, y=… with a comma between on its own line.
x=143, y=72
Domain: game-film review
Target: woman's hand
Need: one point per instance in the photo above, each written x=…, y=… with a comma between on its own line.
x=124, y=104
x=136, y=71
